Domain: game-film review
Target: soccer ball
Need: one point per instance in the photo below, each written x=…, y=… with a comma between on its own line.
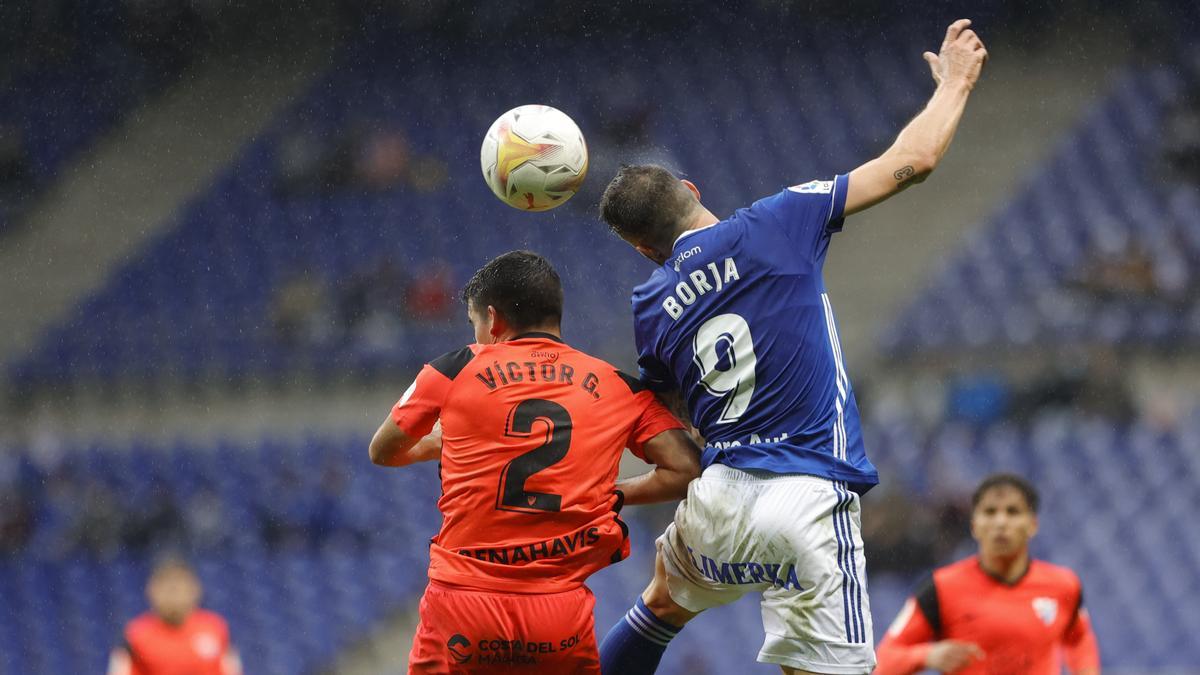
x=534, y=157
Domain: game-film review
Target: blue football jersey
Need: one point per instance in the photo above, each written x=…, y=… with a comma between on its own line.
x=739, y=322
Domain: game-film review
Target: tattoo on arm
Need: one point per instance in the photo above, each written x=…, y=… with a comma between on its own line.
x=904, y=175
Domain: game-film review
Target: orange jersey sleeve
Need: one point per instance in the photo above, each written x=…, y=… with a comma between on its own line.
x=653, y=418
x=421, y=405
x=907, y=642
x=1079, y=644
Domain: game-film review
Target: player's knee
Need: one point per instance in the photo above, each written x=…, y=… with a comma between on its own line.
x=658, y=600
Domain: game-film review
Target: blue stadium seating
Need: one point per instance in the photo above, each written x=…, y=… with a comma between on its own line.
x=60, y=101
x=1019, y=279
x=197, y=302
x=1117, y=500
x=291, y=606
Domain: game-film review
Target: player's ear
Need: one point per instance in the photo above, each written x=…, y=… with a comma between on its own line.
x=691, y=187
x=496, y=323
x=654, y=256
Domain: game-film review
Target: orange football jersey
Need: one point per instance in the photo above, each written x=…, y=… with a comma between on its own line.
x=1025, y=627
x=196, y=647
x=532, y=434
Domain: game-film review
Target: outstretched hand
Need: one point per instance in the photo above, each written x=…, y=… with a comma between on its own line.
x=961, y=57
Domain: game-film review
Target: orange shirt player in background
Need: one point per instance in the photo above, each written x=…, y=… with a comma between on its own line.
x=998, y=612
x=531, y=432
x=175, y=637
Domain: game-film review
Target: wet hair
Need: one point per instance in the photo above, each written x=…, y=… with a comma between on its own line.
x=646, y=204
x=522, y=286
x=1012, y=480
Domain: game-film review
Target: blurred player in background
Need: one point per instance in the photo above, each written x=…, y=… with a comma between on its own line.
x=999, y=611
x=736, y=319
x=531, y=433
x=175, y=636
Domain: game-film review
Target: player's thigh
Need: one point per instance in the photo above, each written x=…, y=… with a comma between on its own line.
x=464, y=631
x=819, y=620
x=701, y=550
x=432, y=650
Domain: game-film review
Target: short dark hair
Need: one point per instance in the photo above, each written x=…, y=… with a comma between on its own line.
x=521, y=285
x=646, y=204
x=170, y=563
x=1011, y=480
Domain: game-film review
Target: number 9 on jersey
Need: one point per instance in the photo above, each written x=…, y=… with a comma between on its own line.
x=724, y=353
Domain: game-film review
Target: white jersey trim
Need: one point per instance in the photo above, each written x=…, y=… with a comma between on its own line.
x=691, y=232
x=840, y=439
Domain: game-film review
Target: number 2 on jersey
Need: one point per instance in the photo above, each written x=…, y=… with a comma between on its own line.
x=513, y=495
x=724, y=353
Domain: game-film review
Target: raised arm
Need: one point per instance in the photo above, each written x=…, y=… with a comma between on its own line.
x=921, y=145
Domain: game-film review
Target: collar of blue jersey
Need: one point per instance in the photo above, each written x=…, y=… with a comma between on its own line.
x=539, y=336
x=687, y=232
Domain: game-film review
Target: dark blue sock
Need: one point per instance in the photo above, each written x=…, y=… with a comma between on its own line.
x=635, y=645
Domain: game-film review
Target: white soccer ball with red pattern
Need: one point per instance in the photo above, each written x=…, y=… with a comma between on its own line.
x=534, y=157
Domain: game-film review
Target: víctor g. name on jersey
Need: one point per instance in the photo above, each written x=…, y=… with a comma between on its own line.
x=513, y=372
x=710, y=278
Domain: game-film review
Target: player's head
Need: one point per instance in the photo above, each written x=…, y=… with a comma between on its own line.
x=173, y=590
x=514, y=293
x=1004, y=514
x=649, y=207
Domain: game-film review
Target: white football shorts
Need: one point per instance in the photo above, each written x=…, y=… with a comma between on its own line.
x=794, y=538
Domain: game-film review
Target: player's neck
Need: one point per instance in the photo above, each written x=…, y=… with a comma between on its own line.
x=174, y=621
x=513, y=334
x=703, y=219
x=660, y=255
x=1007, y=569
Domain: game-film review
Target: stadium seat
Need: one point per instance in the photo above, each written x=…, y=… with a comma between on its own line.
x=1126, y=536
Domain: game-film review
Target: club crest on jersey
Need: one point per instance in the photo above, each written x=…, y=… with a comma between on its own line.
x=814, y=186
x=1046, y=609
x=206, y=646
